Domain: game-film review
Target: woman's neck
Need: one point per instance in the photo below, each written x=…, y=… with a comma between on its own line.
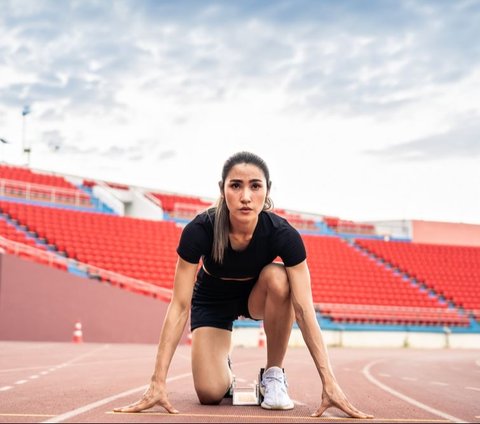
x=243, y=229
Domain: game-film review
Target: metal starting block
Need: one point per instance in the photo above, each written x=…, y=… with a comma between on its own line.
x=247, y=394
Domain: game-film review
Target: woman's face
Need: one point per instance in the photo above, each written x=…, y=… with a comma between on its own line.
x=245, y=191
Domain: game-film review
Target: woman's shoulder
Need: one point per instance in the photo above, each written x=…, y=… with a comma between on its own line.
x=205, y=217
x=204, y=220
x=274, y=221
x=200, y=227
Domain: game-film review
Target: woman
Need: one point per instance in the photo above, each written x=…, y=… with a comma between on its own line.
x=238, y=241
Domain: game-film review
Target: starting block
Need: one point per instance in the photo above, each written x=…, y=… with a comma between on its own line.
x=248, y=394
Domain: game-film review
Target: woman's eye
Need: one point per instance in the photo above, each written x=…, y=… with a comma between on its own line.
x=235, y=185
x=256, y=186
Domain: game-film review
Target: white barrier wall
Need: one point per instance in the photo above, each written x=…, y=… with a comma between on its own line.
x=249, y=337
x=108, y=197
x=141, y=207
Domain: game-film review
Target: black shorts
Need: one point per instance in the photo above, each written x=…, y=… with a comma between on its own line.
x=217, y=303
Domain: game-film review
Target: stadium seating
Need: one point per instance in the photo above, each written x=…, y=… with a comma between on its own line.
x=137, y=248
x=185, y=207
x=8, y=231
x=348, y=286
x=451, y=271
x=297, y=220
x=23, y=183
x=349, y=227
x=351, y=287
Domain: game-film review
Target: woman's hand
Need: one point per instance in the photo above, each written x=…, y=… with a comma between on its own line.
x=333, y=396
x=156, y=394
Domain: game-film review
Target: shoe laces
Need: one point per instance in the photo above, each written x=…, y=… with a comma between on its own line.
x=278, y=378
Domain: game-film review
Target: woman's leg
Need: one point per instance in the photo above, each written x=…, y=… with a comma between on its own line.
x=270, y=301
x=212, y=376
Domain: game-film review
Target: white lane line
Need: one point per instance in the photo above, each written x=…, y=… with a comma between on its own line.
x=101, y=402
x=83, y=355
x=368, y=375
x=22, y=369
x=473, y=388
x=62, y=365
x=439, y=383
x=5, y=388
x=54, y=367
x=409, y=378
x=93, y=405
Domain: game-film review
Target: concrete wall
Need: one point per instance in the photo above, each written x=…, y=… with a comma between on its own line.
x=107, y=196
x=446, y=233
x=248, y=337
x=141, y=207
x=393, y=228
x=40, y=303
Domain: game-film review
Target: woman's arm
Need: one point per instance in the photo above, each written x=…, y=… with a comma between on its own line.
x=301, y=292
x=172, y=329
x=176, y=317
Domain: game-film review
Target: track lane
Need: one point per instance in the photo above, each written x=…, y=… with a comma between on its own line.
x=119, y=369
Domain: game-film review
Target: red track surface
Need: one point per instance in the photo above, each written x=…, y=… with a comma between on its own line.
x=55, y=382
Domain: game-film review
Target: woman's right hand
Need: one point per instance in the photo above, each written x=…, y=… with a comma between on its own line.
x=156, y=394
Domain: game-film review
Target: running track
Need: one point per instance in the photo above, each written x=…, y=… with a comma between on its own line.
x=64, y=382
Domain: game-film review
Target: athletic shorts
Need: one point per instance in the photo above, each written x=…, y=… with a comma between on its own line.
x=217, y=303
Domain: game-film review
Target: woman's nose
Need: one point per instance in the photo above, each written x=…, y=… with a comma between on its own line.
x=245, y=196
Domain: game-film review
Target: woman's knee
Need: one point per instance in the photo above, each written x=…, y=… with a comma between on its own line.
x=210, y=395
x=276, y=280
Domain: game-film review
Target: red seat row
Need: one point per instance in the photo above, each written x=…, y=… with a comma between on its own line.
x=445, y=269
x=146, y=250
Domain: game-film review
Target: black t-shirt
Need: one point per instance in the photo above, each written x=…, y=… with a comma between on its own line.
x=273, y=236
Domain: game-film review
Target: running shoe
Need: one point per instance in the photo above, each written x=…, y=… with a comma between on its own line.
x=274, y=390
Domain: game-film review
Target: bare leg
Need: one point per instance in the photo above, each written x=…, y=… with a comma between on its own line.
x=211, y=375
x=270, y=301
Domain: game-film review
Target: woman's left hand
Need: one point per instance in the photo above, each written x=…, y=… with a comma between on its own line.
x=333, y=396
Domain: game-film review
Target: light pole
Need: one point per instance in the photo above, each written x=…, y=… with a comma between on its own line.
x=26, y=149
x=3, y=141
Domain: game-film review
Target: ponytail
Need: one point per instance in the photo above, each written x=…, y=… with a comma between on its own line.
x=221, y=230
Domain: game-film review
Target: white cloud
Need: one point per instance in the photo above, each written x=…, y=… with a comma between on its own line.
x=158, y=94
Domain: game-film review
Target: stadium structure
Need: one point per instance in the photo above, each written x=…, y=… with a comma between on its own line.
x=75, y=249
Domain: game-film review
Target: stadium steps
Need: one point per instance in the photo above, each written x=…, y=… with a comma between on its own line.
x=98, y=205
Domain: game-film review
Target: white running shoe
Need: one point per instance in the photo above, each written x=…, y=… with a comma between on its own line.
x=274, y=390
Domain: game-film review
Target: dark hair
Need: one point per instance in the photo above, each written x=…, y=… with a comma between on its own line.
x=222, y=223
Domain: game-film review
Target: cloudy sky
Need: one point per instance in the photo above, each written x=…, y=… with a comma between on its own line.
x=362, y=109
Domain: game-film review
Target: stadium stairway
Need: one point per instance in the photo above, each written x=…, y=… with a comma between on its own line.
x=28, y=237
x=97, y=204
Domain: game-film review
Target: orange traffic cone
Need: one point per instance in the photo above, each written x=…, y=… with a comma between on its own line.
x=77, y=333
x=262, y=339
